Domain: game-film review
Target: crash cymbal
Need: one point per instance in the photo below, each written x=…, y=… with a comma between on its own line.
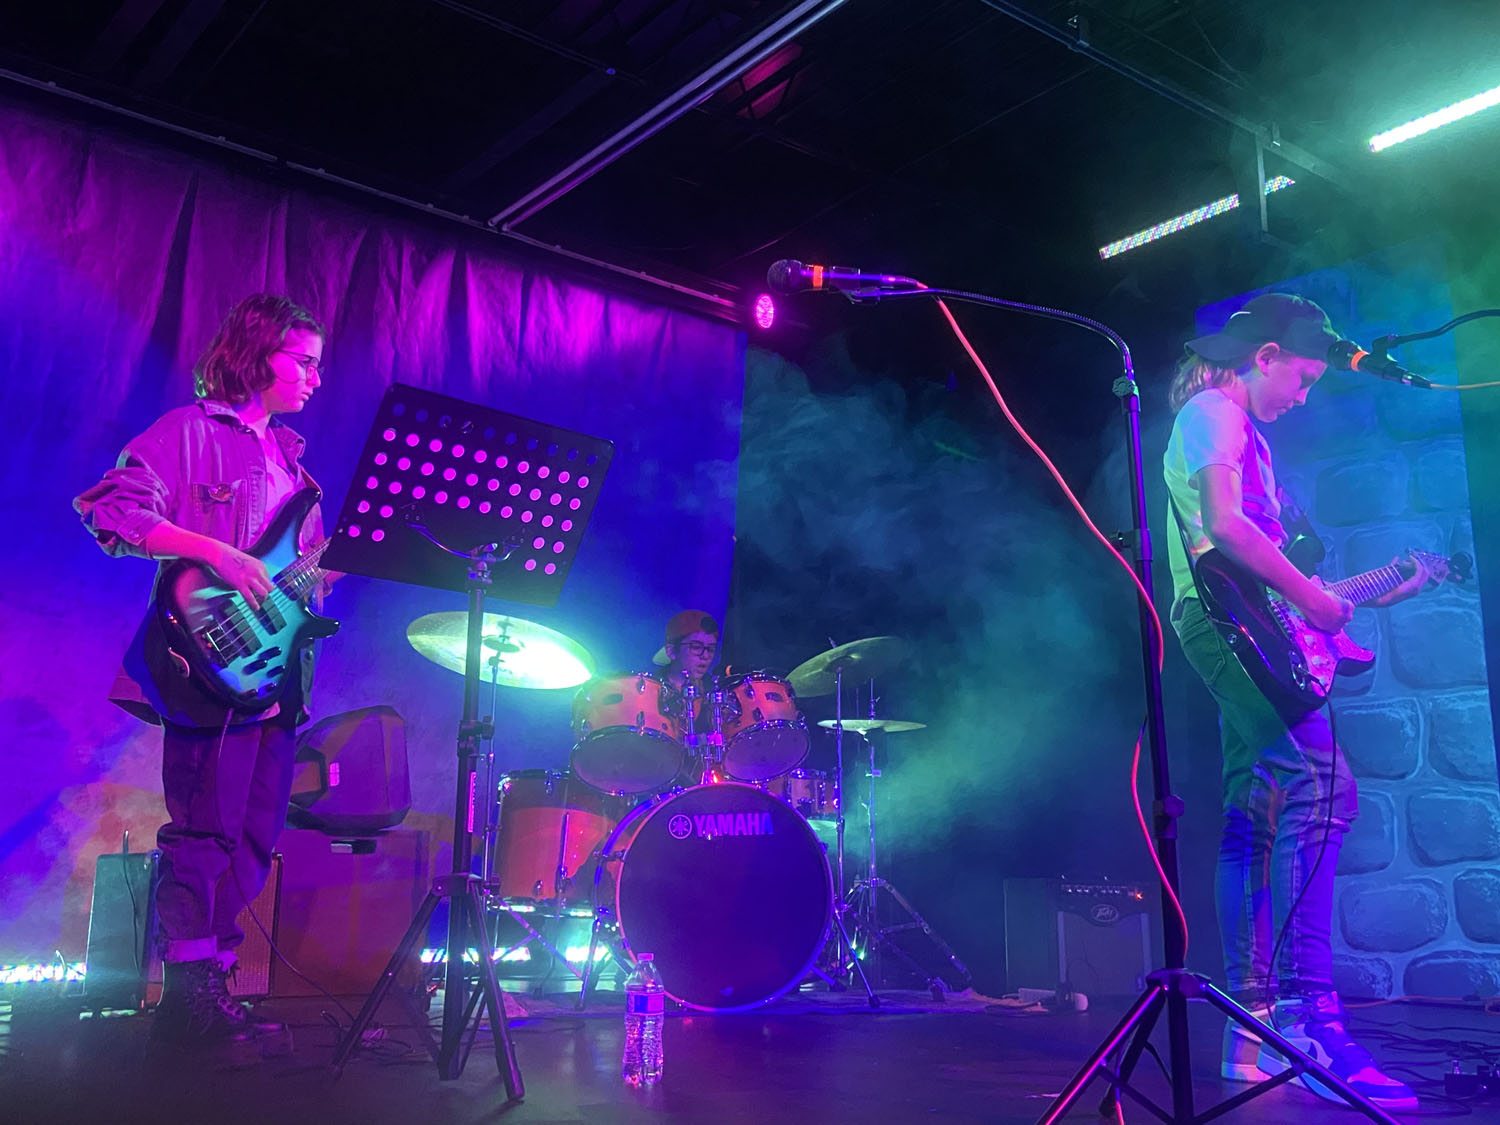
x=860, y=726
x=513, y=652
x=858, y=659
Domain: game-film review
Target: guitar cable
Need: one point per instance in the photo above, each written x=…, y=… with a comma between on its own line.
x=1271, y=973
x=1157, y=630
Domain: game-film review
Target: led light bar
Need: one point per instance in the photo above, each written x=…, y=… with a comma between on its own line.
x=40, y=973
x=1435, y=120
x=1187, y=219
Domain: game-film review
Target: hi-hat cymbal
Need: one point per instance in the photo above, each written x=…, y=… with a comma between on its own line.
x=513, y=652
x=860, y=726
x=858, y=660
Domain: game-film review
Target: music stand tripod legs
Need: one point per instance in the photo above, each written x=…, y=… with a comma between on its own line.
x=466, y=916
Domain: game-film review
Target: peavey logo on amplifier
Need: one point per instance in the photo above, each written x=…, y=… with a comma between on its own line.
x=708, y=826
x=1104, y=914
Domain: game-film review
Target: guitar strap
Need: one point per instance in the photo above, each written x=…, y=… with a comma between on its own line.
x=1187, y=549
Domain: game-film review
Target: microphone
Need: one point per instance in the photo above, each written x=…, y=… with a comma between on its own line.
x=1346, y=355
x=790, y=276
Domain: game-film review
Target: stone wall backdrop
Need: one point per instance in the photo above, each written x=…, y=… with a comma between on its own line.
x=1380, y=468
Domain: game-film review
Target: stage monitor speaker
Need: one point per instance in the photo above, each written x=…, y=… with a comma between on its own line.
x=351, y=777
x=122, y=924
x=254, y=975
x=1093, y=938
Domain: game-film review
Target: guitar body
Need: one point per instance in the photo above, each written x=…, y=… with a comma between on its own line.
x=243, y=657
x=1292, y=663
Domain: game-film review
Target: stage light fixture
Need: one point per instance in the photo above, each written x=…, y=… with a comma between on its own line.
x=764, y=311
x=1186, y=219
x=1435, y=120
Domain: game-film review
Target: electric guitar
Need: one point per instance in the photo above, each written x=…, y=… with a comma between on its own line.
x=1291, y=662
x=243, y=657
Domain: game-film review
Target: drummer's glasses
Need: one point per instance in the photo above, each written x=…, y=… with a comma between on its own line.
x=697, y=648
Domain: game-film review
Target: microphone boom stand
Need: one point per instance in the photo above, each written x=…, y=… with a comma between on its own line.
x=1169, y=988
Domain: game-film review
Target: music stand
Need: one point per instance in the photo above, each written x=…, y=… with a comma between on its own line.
x=445, y=491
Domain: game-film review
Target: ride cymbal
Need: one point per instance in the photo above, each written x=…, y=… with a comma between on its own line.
x=858, y=660
x=513, y=652
x=860, y=726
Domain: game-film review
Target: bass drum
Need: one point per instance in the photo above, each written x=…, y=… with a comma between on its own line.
x=728, y=887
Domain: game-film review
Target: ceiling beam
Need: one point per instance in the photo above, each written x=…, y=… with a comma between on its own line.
x=1075, y=38
x=696, y=90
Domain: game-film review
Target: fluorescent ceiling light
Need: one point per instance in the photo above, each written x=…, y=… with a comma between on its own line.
x=1435, y=120
x=1187, y=219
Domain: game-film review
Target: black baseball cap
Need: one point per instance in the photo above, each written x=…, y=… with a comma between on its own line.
x=1295, y=323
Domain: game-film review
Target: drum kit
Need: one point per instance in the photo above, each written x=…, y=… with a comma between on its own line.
x=686, y=824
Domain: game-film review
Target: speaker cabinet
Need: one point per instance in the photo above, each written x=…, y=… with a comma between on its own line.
x=344, y=912
x=122, y=924
x=254, y=974
x=1093, y=938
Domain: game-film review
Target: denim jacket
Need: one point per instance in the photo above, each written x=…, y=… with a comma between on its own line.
x=200, y=467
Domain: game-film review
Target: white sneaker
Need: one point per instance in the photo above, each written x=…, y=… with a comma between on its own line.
x=1242, y=1050
x=1316, y=1026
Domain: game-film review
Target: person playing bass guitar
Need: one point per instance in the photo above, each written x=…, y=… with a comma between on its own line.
x=1288, y=793
x=197, y=490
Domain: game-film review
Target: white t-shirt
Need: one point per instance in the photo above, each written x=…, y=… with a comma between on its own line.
x=1212, y=429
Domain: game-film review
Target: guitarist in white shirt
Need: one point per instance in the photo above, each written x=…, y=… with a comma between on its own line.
x=201, y=484
x=1289, y=796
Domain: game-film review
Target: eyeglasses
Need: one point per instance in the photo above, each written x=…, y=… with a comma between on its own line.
x=307, y=362
x=697, y=648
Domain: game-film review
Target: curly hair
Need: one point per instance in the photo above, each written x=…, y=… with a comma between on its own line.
x=236, y=364
x=1194, y=374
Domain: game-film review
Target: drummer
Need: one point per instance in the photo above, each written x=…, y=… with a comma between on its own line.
x=692, y=643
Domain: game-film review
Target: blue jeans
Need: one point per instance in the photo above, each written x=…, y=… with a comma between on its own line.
x=227, y=807
x=1288, y=800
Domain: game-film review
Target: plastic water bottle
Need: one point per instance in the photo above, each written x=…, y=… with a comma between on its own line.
x=645, y=1007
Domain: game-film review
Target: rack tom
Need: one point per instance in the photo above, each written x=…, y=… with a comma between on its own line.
x=764, y=733
x=628, y=741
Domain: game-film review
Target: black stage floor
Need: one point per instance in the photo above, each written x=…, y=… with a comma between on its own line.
x=814, y=1057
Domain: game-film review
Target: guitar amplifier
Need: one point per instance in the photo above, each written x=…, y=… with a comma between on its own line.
x=1088, y=937
x=122, y=923
x=253, y=976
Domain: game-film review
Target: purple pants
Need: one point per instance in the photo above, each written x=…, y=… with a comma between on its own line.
x=227, y=803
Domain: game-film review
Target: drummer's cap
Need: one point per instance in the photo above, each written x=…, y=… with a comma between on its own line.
x=690, y=621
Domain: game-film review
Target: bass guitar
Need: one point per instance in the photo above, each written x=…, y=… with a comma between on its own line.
x=1291, y=662
x=245, y=657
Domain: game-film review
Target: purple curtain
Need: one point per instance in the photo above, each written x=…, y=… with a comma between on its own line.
x=118, y=258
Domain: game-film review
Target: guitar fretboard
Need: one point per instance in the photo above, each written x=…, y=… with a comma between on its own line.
x=300, y=579
x=1368, y=586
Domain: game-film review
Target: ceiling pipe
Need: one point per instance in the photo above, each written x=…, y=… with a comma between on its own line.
x=693, y=92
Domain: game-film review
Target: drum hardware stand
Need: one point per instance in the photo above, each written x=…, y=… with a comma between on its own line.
x=864, y=902
x=460, y=889
x=840, y=904
x=1171, y=987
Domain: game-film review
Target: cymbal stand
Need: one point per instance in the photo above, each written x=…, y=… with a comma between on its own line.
x=840, y=906
x=864, y=902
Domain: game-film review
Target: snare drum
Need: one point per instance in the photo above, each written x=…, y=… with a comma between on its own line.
x=727, y=886
x=628, y=742
x=764, y=734
x=551, y=828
